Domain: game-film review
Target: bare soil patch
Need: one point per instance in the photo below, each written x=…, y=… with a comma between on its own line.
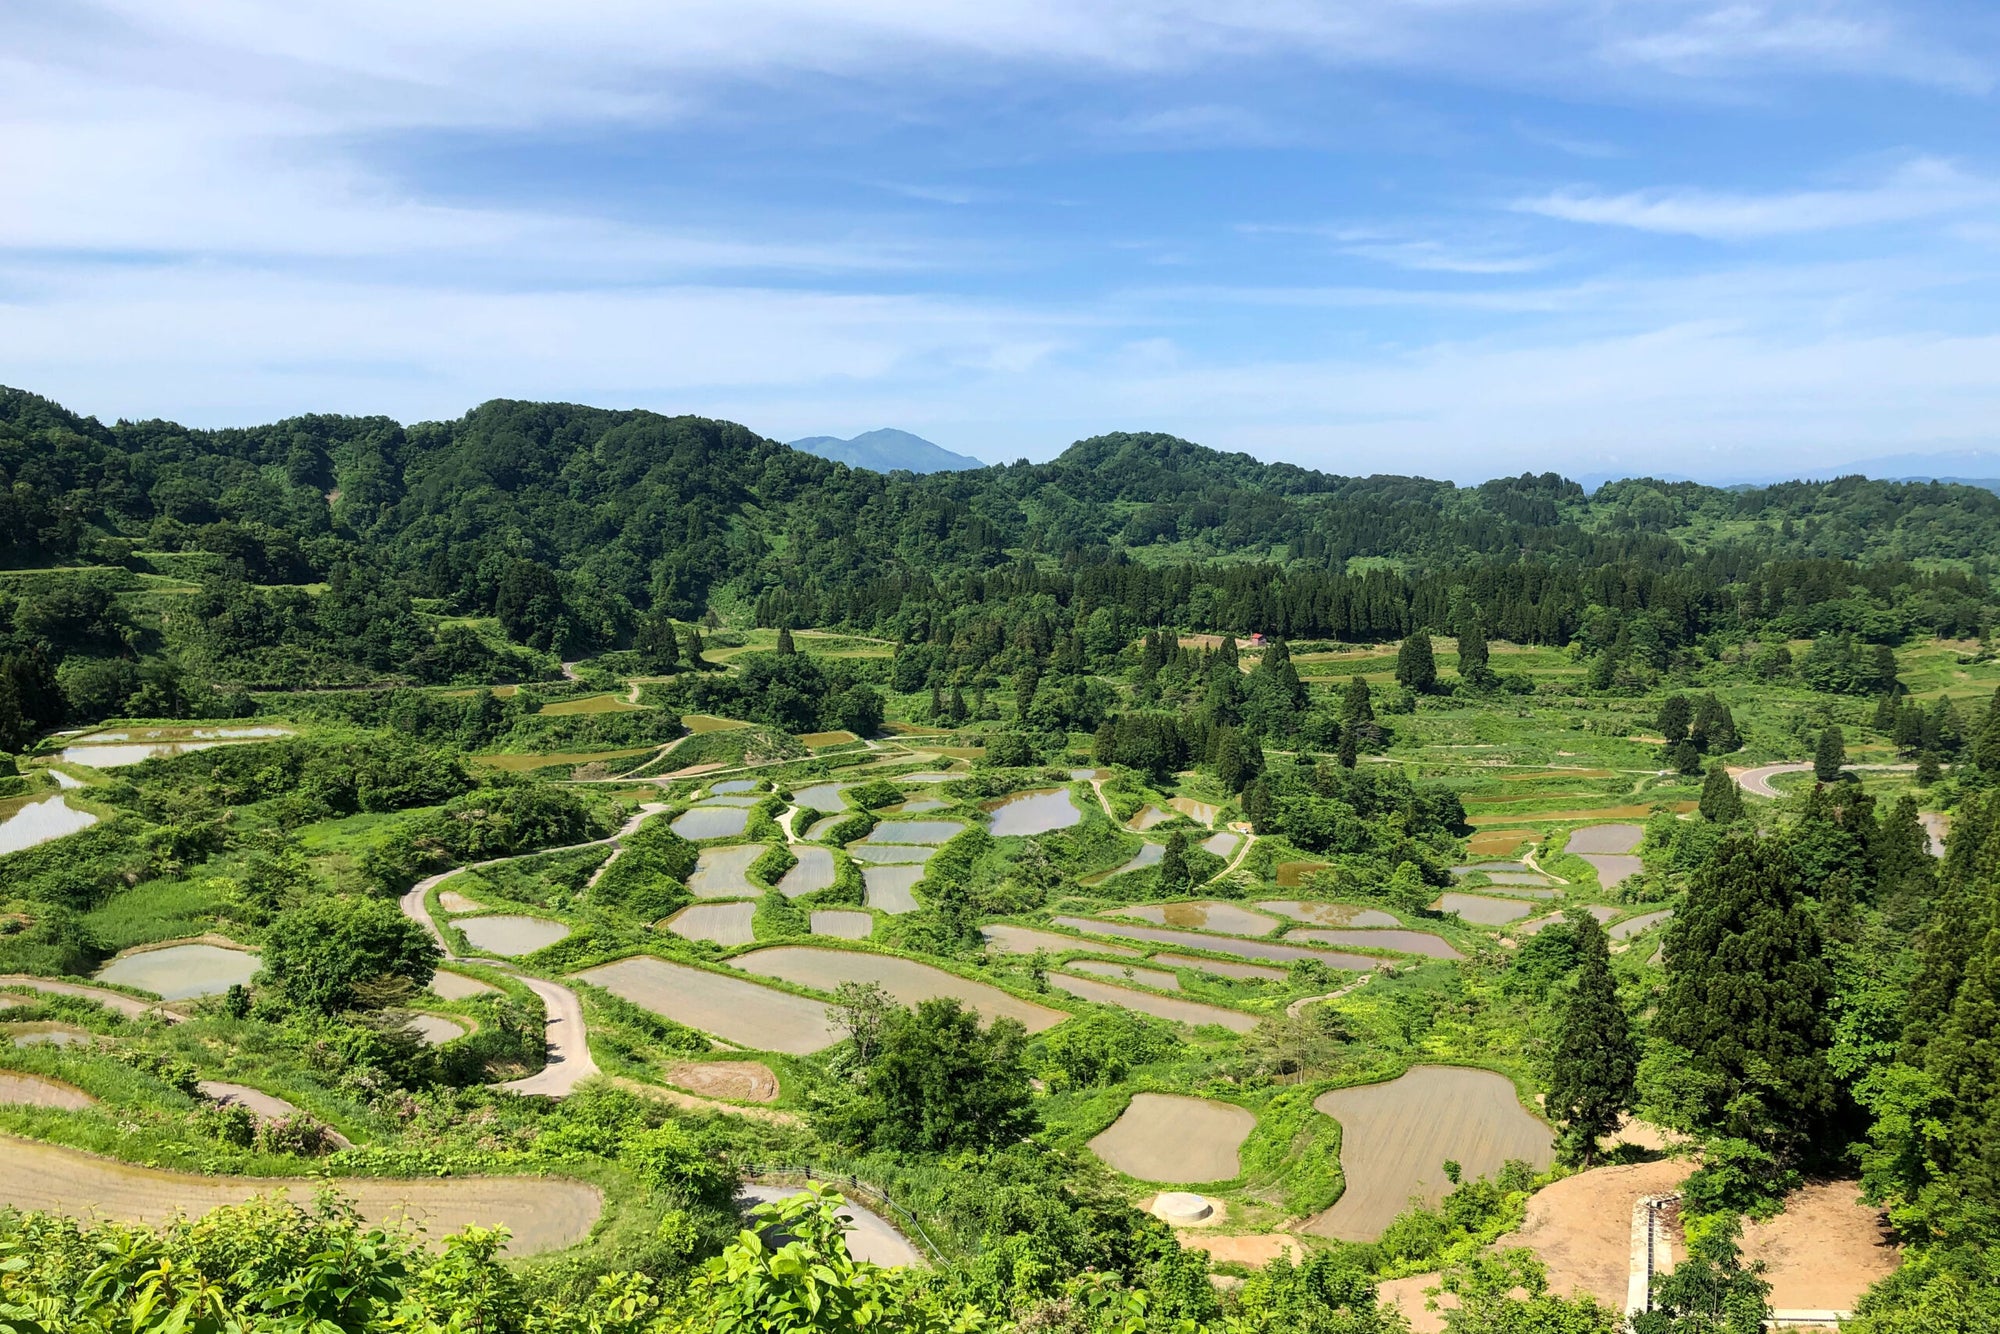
x=1166, y=1137
x=1581, y=1226
x=735, y=1081
x=541, y=1213
x=1824, y=1250
x=1407, y=1295
x=1397, y=1135
x=1255, y=1249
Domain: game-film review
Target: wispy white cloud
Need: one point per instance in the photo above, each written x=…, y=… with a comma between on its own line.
x=1710, y=41
x=1923, y=188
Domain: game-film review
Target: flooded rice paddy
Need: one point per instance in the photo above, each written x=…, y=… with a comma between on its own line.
x=820, y=827
x=1246, y=949
x=1157, y=978
x=924, y=807
x=1396, y=1136
x=510, y=934
x=891, y=853
x=435, y=1029
x=723, y=923
x=1606, y=838
x=703, y=822
x=1178, y=1140
x=1201, y=812
x=1192, y=1013
x=734, y=1009
x=1241, y=972
x=457, y=986
x=1403, y=941
x=890, y=887
x=1027, y=940
x=45, y=1034
x=23, y=1090
x=1221, y=845
x=1036, y=812
x=1479, y=908
x=1613, y=869
x=842, y=924
x=1632, y=926
x=723, y=873
x=734, y=785
x=540, y=1213
x=812, y=872
x=820, y=797
x=1600, y=912
x=727, y=803
x=115, y=750
x=1149, y=854
x=27, y=822
x=1147, y=818
x=905, y=979
x=1328, y=914
x=181, y=972
x=1227, y=918
x=915, y=831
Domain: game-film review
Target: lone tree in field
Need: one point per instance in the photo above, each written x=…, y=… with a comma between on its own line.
x=1596, y=1059
x=1416, y=664
x=1721, y=799
x=1748, y=998
x=1175, y=878
x=1474, y=665
x=941, y=1083
x=1831, y=757
x=785, y=645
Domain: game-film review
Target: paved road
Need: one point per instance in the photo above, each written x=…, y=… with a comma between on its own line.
x=1757, y=782
x=871, y=1238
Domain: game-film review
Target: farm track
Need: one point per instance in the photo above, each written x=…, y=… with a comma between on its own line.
x=569, y=1061
x=128, y=1006
x=1757, y=781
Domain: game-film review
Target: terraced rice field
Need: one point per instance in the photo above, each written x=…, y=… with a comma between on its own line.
x=510, y=934
x=181, y=972
x=1201, y=812
x=820, y=827
x=905, y=979
x=1516, y=878
x=1395, y=1138
x=1292, y=875
x=813, y=871
x=1607, y=847
x=1192, y=1013
x=734, y=787
x=27, y=822
x=924, y=807
x=1403, y=942
x=1498, y=842
x=1026, y=940
x=1599, y=911
x=842, y=924
x=1479, y=908
x=1176, y=1140
x=24, y=1090
x=723, y=923
x=891, y=854
x=589, y=704
x=1241, y=972
x=1247, y=949
x=1148, y=817
x=723, y=873
x=734, y=1009
x=1227, y=918
x=1632, y=926
x=540, y=1213
x=703, y=822
x=890, y=888
x=1328, y=914
x=434, y=1029
x=1036, y=812
x=915, y=831
x=457, y=986
x=1149, y=854
x=1156, y=978
x=821, y=740
x=820, y=797
x=520, y=764
x=1221, y=845
x=708, y=722
x=726, y=802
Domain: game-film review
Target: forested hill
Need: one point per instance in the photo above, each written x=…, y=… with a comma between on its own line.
x=571, y=523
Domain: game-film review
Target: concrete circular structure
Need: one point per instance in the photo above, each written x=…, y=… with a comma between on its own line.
x=1183, y=1208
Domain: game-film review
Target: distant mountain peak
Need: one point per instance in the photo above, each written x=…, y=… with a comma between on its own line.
x=887, y=450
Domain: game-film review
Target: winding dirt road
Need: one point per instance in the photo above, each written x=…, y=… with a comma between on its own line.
x=569, y=1061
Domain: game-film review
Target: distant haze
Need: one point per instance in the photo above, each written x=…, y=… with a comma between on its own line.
x=1970, y=467
x=886, y=450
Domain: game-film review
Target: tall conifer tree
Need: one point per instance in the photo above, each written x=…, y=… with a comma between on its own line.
x=1594, y=1067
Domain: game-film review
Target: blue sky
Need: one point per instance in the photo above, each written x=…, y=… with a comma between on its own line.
x=1455, y=237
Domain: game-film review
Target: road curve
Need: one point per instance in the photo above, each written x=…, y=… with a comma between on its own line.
x=1757, y=781
x=129, y=1006
x=569, y=1061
